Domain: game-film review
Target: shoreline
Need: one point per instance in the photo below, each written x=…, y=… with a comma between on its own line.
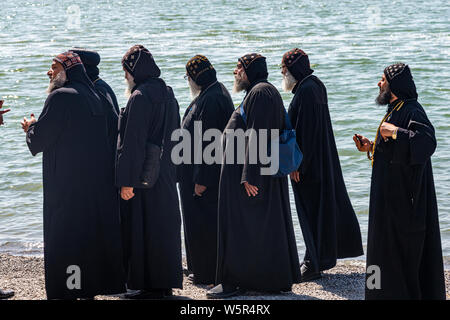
x=25, y=275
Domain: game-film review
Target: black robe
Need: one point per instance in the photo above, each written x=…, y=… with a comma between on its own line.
x=151, y=219
x=112, y=110
x=257, y=248
x=404, y=238
x=329, y=225
x=107, y=91
x=213, y=107
x=81, y=206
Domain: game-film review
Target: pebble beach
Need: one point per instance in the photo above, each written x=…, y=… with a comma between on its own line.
x=25, y=275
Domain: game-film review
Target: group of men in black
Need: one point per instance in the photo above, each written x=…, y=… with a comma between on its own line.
x=123, y=234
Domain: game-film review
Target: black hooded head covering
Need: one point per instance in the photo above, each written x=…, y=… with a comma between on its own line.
x=91, y=60
x=401, y=81
x=76, y=73
x=139, y=62
x=201, y=71
x=297, y=62
x=255, y=67
x=74, y=68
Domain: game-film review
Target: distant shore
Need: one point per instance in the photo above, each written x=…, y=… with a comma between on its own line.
x=25, y=275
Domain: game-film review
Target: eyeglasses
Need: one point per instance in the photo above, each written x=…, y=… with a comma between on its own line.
x=281, y=66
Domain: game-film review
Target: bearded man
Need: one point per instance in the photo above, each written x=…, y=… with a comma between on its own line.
x=404, y=242
x=150, y=213
x=82, y=242
x=329, y=225
x=257, y=248
x=211, y=107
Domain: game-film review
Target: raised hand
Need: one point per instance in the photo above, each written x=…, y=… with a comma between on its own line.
x=362, y=143
x=27, y=123
x=2, y=112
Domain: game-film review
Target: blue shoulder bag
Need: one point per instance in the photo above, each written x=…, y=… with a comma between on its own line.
x=290, y=155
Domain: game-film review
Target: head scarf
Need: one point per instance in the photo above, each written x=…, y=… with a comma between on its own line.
x=297, y=62
x=255, y=67
x=76, y=73
x=139, y=62
x=90, y=60
x=201, y=71
x=74, y=68
x=401, y=81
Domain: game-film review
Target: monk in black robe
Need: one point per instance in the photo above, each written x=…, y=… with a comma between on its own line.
x=404, y=253
x=151, y=215
x=90, y=60
x=257, y=248
x=82, y=240
x=329, y=225
x=199, y=183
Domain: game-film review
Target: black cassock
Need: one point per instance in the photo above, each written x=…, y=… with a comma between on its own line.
x=213, y=107
x=81, y=206
x=107, y=91
x=151, y=219
x=329, y=225
x=257, y=248
x=404, y=238
x=112, y=111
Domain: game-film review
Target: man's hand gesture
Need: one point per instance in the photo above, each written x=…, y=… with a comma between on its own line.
x=27, y=123
x=2, y=112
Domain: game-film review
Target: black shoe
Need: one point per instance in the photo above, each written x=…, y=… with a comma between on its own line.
x=168, y=293
x=191, y=278
x=187, y=272
x=307, y=273
x=149, y=294
x=6, y=294
x=223, y=291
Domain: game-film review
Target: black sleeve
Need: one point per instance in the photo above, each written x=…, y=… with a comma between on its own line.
x=51, y=123
x=259, y=116
x=207, y=174
x=131, y=151
x=307, y=128
x=417, y=142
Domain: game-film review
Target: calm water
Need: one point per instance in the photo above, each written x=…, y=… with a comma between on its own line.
x=348, y=42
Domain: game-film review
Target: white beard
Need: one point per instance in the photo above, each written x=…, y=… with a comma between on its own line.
x=288, y=83
x=194, y=88
x=240, y=85
x=130, y=85
x=57, y=82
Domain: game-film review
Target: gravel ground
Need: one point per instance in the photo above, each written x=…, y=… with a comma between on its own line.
x=25, y=275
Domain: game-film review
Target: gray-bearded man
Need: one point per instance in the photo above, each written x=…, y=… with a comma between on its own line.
x=329, y=225
x=257, y=248
x=82, y=241
x=199, y=183
x=150, y=210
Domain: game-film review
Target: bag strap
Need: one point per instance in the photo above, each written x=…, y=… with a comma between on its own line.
x=287, y=121
x=243, y=115
x=166, y=112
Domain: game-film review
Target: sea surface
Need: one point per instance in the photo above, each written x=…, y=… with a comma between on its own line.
x=349, y=43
